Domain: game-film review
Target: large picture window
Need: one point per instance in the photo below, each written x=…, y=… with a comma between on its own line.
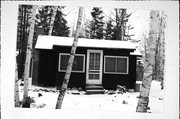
x=116, y=64
x=78, y=65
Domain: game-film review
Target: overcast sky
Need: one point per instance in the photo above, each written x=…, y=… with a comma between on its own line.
x=139, y=19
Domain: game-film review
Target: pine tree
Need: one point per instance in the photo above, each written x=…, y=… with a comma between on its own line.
x=97, y=24
x=109, y=31
x=44, y=17
x=60, y=27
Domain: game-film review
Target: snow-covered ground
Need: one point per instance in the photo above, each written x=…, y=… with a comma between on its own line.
x=78, y=100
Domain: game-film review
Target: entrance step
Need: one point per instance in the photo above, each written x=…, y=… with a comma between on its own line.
x=94, y=89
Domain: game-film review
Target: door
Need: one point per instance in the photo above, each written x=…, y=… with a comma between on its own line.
x=94, y=67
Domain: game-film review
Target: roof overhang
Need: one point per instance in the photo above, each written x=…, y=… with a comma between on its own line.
x=47, y=42
x=136, y=53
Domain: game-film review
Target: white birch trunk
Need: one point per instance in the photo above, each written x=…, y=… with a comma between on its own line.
x=52, y=20
x=142, y=105
x=16, y=92
x=70, y=63
x=28, y=53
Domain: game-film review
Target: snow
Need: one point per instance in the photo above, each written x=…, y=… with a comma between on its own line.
x=156, y=97
x=47, y=42
x=78, y=100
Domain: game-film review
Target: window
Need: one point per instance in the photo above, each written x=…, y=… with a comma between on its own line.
x=116, y=64
x=78, y=64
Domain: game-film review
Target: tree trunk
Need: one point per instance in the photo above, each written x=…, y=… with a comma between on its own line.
x=16, y=95
x=28, y=53
x=70, y=63
x=52, y=20
x=142, y=105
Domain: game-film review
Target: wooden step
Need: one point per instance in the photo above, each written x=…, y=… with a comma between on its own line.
x=94, y=89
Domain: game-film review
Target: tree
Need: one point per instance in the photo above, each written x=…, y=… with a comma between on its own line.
x=52, y=19
x=70, y=63
x=116, y=28
x=97, y=24
x=109, y=31
x=158, y=71
x=22, y=32
x=28, y=53
x=151, y=47
x=60, y=25
x=44, y=20
x=16, y=93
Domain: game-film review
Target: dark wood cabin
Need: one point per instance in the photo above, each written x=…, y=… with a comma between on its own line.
x=97, y=62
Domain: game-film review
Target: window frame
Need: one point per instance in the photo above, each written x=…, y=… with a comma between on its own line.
x=127, y=65
x=59, y=66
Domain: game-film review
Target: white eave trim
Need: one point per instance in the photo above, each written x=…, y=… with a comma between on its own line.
x=47, y=42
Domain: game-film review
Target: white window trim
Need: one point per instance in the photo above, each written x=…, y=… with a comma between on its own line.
x=127, y=71
x=59, y=66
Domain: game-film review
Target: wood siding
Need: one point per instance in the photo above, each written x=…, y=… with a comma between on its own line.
x=50, y=76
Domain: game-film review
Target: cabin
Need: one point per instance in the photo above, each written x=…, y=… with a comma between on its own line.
x=97, y=62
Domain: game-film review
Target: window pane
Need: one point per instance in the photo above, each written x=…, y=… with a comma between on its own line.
x=91, y=62
x=97, y=61
x=64, y=62
x=110, y=64
x=77, y=65
x=93, y=76
x=94, y=63
x=122, y=65
x=96, y=76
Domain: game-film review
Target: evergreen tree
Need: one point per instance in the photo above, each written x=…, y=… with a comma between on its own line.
x=60, y=27
x=109, y=31
x=44, y=18
x=97, y=24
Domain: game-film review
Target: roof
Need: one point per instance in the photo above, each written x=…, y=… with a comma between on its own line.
x=136, y=52
x=47, y=42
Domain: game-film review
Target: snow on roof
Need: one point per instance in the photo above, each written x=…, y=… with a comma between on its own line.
x=47, y=42
x=136, y=52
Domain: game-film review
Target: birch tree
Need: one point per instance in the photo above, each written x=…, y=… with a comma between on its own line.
x=142, y=105
x=159, y=51
x=70, y=62
x=28, y=53
x=52, y=19
x=16, y=93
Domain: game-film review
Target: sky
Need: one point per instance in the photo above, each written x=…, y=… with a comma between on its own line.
x=139, y=19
